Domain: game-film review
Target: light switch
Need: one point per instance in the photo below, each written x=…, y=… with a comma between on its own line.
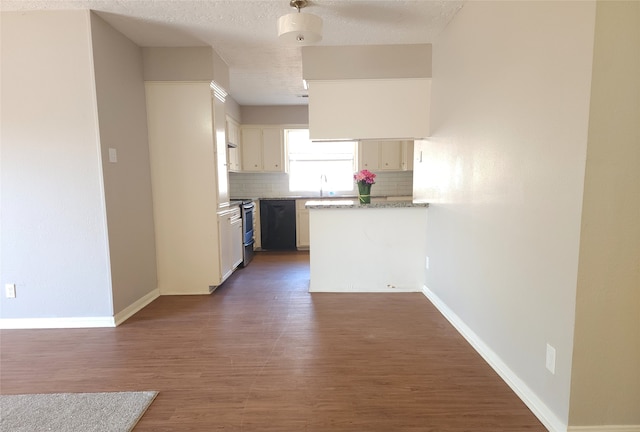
x=113, y=155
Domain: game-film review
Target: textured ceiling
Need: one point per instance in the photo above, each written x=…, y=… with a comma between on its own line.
x=243, y=32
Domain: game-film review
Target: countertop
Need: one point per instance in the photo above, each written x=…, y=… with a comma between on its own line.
x=316, y=197
x=354, y=204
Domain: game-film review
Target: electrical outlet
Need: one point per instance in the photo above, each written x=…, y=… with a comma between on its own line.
x=426, y=263
x=551, y=359
x=10, y=290
x=113, y=155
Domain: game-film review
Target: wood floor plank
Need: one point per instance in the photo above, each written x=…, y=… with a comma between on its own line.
x=263, y=354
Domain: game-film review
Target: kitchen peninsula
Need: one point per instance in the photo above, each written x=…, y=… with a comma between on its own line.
x=378, y=247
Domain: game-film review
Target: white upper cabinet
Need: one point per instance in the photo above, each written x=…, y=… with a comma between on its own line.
x=262, y=149
x=233, y=132
x=390, y=155
x=233, y=140
x=273, y=149
x=385, y=155
x=222, y=166
x=251, y=149
x=368, y=155
x=407, y=155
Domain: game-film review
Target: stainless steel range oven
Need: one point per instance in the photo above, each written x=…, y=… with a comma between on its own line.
x=247, y=208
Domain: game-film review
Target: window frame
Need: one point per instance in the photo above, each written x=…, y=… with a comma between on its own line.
x=352, y=159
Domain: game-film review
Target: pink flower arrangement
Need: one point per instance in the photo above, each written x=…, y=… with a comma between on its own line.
x=365, y=176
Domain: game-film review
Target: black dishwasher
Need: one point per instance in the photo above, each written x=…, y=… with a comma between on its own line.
x=278, y=224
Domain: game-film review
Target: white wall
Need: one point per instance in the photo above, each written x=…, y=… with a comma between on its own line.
x=53, y=234
x=605, y=387
x=127, y=183
x=381, y=255
x=504, y=172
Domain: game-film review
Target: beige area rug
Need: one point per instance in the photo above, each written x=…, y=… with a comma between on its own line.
x=73, y=412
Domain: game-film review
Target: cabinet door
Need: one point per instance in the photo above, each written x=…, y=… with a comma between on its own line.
x=236, y=242
x=233, y=138
x=302, y=225
x=368, y=155
x=407, y=155
x=234, y=159
x=225, y=236
x=390, y=155
x=222, y=173
x=233, y=131
x=257, y=236
x=251, y=149
x=272, y=150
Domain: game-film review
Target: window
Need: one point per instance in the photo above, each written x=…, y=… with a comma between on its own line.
x=319, y=166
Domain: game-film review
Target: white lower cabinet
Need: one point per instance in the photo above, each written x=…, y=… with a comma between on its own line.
x=237, y=241
x=230, y=235
x=302, y=225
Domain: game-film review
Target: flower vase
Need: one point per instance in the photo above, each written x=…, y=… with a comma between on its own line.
x=364, y=192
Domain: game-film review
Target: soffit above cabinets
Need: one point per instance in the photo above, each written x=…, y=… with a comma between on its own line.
x=368, y=92
x=366, y=62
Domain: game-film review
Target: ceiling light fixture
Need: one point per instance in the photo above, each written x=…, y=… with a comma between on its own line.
x=299, y=28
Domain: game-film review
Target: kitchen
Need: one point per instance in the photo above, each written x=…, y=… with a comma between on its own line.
x=251, y=150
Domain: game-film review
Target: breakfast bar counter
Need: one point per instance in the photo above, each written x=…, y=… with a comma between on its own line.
x=377, y=247
x=354, y=204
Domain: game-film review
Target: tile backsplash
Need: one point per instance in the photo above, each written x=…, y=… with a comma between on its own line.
x=276, y=185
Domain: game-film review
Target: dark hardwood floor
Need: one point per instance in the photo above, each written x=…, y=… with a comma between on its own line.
x=262, y=354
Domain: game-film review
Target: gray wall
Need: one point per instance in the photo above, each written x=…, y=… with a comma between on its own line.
x=366, y=62
x=504, y=171
x=184, y=64
x=281, y=114
x=127, y=183
x=54, y=235
x=232, y=109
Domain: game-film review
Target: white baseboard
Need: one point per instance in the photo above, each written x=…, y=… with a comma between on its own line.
x=130, y=310
x=55, y=323
x=191, y=293
x=78, y=322
x=606, y=428
x=533, y=402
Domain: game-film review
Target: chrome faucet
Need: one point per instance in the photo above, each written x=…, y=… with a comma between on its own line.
x=323, y=181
